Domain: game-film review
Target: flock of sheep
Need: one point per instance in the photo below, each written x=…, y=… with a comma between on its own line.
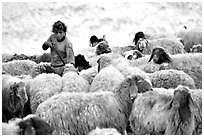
x=109, y=94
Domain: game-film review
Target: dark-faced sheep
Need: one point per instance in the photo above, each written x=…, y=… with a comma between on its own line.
x=140, y=41
x=102, y=47
x=81, y=63
x=13, y=97
x=30, y=125
x=168, y=112
x=80, y=113
x=160, y=56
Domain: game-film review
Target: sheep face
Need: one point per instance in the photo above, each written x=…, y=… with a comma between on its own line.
x=18, y=98
x=141, y=44
x=81, y=63
x=102, y=48
x=34, y=125
x=159, y=56
x=181, y=116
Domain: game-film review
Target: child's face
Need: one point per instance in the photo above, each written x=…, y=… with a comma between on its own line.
x=59, y=34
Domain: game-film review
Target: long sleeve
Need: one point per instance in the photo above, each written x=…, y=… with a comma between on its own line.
x=70, y=54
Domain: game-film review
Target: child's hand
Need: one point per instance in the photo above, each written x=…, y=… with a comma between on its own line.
x=48, y=44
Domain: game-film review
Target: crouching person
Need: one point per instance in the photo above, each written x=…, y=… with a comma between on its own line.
x=62, y=54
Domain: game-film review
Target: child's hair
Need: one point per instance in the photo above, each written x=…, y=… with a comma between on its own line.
x=58, y=26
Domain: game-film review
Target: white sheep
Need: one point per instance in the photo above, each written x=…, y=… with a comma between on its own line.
x=171, y=78
x=171, y=45
x=172, y=111
x=79, y=113
x=89, y=74
x=42, y=87
x=29, y=125
x=22, y=67
x=190, y=63
x=73, y=82
x=13, y=97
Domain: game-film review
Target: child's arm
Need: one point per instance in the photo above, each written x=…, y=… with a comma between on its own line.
x=47, y=43
x=70, y=53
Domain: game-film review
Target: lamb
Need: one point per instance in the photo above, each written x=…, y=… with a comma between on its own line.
x=104, y=131
x=166, y=112
x=29, y=125
x=191, y=37
x=171, y=78
x=79, y=113
x=22, y=67
x=170, y=45
x=13, y=97
x=42, y=87
x=73, y=82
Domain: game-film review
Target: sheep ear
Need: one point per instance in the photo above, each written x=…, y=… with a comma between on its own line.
x=98, y=61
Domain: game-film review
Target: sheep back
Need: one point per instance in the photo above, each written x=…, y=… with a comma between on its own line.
x=42, y=87
x=80, y=113
x=72, y=82
x=171, y=79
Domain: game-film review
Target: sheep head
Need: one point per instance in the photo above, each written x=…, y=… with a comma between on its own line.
x=18, y=98
x=102, y=47
x=160, y=56
x=34, y=125
x=181, y=113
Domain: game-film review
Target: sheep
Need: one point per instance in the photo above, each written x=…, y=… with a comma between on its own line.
x=196, y=49
x=89, y=74
x=81, y=63
x=190, y=63
x=8, y=57
x=29, y=125
x=13, y=97
x=42, y=87
x=73, y=82
x=191, y=37
x=171, y=78
x=20, y=67
x=133, y=54
x=104, y=131
x=159, y=56
x=166, y=112
x=143, y=80
x=170, y=45
x=79, y=113
x=102, y=47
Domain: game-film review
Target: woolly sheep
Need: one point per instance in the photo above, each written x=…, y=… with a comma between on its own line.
x=30, y=125
x=171, y=45
x=191, y=37
x=13, y=97
x=79, y=113
x=104, y=131
x=42, y=87
x=190, y=63
x=89, y=74
x=143, y=81
x=73, y=82
x=156, y=112
x=22, y=67
x=171, y=78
